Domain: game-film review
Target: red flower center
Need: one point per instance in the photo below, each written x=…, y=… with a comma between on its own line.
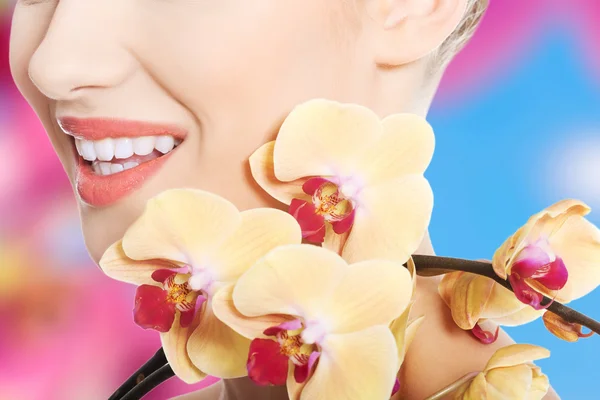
x=268, y=360
x=179, y=294
x=156, y=306
x=535, y=267
x=328, y=205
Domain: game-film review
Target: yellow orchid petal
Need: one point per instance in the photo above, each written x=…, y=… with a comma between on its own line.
x=294, y=388
x=371, y=293
x=516, y=354
x=404, y=332
x=568, y=331
x=260, y=231
x=503, y=303
x=550, y=220
x=359, y=366
x=524, y=316
x=471, y=295
x=411, y=332
x=324, y=138
x=578, y=244
x=405, y=148
x=216, y=349
x=174, y=344
x=333, y=241
x=504, y=254
x=291, y=279
x=398, y=329
x=509, y=383
x=539, y=384
x=182, y=225
x=475, y=390
x=263, y=172
x=474, y=299
x=117, y=265
x=251, y=328
x=447, y=284
x=508, y=375
x=391, y=220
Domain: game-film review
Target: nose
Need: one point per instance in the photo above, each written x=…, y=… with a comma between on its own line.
x=84, y=47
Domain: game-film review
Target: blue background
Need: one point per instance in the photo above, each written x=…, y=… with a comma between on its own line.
x=498, y=160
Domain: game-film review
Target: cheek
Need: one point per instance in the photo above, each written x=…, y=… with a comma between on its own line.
x=229, y=67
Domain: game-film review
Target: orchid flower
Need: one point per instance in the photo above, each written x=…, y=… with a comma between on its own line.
x=352, y=181
x=319, y=324
x=568, y=331
x=186, y=247
x=509, y=374
x=478, y=303
x=557, y=253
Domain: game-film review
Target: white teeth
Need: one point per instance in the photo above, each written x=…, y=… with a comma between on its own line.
x=123, y=148
x=105, y=168
x=105, y=149
x=114, y=168
x=144, y=145
x=130, y=164
x=86, y=150
x=164, y=144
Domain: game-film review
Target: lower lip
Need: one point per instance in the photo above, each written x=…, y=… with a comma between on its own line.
x=104, y=190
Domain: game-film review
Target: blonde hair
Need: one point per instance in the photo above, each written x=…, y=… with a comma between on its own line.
x=463, y=32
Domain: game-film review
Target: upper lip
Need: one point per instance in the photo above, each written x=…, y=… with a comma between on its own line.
x=101, y=128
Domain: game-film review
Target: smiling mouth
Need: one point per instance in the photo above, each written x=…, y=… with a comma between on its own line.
x=113, y=155
x=116, y=157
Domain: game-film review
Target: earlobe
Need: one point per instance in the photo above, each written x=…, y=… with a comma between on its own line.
x=408, y=30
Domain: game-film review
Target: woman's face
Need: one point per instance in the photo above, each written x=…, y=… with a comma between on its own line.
x=218, y=75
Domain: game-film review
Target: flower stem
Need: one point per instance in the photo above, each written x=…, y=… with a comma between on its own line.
x=453, y=386
x=153, y=380
x=153, y=364
x=434, y=265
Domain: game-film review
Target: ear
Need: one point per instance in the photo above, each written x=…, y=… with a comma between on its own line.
x=407, y=30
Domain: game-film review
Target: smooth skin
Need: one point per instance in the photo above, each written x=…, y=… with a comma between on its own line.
x=230, y=71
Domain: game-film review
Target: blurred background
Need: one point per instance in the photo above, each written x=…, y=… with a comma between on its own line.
x=518, y=128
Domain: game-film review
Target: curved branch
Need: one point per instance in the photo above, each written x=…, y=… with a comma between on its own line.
x=453, y=386
x=156, y=378
x=434, y=265
x=154, y=363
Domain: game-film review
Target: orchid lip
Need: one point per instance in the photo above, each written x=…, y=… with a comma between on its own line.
x=538, y=262
x=268, y=359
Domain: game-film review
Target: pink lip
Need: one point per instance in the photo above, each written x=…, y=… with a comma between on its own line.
x=101, y=128
x=104, y=190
